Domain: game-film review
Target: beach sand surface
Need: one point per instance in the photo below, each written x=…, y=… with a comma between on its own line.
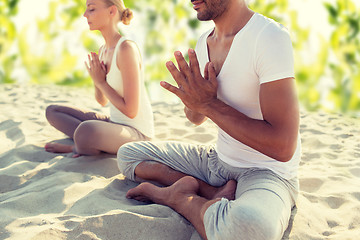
x=54, y=196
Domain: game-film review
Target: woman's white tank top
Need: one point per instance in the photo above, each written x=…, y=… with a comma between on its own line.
x=144, y=120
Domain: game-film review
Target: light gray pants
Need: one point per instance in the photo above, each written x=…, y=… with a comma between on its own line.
x=263, y=203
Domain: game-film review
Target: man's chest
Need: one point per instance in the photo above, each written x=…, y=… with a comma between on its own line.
x=218, y=53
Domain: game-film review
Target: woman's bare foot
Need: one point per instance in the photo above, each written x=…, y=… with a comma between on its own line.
x=58, y=148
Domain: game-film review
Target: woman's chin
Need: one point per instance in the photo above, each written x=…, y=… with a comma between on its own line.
x=91, y=28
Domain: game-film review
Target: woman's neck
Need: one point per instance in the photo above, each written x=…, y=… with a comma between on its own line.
x=111, y=37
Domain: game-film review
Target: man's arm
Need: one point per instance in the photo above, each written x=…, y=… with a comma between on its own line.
x=275, y=136
x=194, y=117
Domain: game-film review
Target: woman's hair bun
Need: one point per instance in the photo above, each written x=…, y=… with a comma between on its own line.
x=126, y=16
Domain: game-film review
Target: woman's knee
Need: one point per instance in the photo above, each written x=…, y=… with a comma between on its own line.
x=50, y=111
x=85, y=133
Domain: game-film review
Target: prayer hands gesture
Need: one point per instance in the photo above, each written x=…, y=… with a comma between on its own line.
x=97, y=70
x=195, y=91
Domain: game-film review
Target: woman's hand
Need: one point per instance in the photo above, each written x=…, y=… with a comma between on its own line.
x=96, y=69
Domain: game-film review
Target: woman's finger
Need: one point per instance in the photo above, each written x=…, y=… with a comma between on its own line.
x=90, y=61
x=87, y=66
x=95, y=59
x=103, y=66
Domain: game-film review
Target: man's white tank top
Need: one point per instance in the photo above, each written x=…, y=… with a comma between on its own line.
x=144, y=120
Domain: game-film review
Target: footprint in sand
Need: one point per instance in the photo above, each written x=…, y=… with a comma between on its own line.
x=201, y=138
x=178, y=132
x=328, y=233
x=9, y=183
x=311, y=185
x=200, y=130
x=355, y=172
x=334, y=202
x=332, y=223
x=356, y=195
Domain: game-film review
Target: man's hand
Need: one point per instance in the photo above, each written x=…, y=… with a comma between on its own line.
x=97, y=70
x=195, y=91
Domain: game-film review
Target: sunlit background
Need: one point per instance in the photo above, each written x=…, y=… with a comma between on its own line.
x=47, y=41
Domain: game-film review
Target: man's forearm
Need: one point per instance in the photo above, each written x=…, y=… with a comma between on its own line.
x=194, y=117
x=260, y=135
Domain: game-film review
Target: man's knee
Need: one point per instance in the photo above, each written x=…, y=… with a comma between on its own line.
x=240, y=222
x=128, y=156
x=256, y=224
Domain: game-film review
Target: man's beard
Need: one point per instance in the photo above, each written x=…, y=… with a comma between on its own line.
x=212, y=11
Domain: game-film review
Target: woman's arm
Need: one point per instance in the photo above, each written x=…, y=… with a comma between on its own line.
x=100, y=97
x=129, y=62
x=97, y=73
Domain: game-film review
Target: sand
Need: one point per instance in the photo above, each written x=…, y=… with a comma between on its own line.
x=53, y=196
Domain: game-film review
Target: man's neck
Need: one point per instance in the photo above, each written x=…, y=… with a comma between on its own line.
x=232, y=20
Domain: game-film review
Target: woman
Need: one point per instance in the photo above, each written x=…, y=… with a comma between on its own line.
x=118, y=80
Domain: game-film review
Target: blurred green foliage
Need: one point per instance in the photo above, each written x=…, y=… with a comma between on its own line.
x=8, y=8
x=345, y=46
x=171, y=25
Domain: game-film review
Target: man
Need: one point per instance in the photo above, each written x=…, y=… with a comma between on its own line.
x=246, y=186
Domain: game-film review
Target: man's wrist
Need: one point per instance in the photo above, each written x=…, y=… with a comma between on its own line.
x=208, y=108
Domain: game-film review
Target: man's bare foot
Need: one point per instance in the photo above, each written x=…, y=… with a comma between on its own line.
x=147, y=192
x=227, y=191
x=210, y=192
x=183, y=197
x=58, y=148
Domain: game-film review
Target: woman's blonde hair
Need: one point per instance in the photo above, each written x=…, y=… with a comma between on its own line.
x=125, y=13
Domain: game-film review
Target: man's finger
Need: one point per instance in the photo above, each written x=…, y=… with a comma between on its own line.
x=176, y=74
x=212, y=74
x=206, y=71
x=171, y=88
x=194, y=63
x=183, y=65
